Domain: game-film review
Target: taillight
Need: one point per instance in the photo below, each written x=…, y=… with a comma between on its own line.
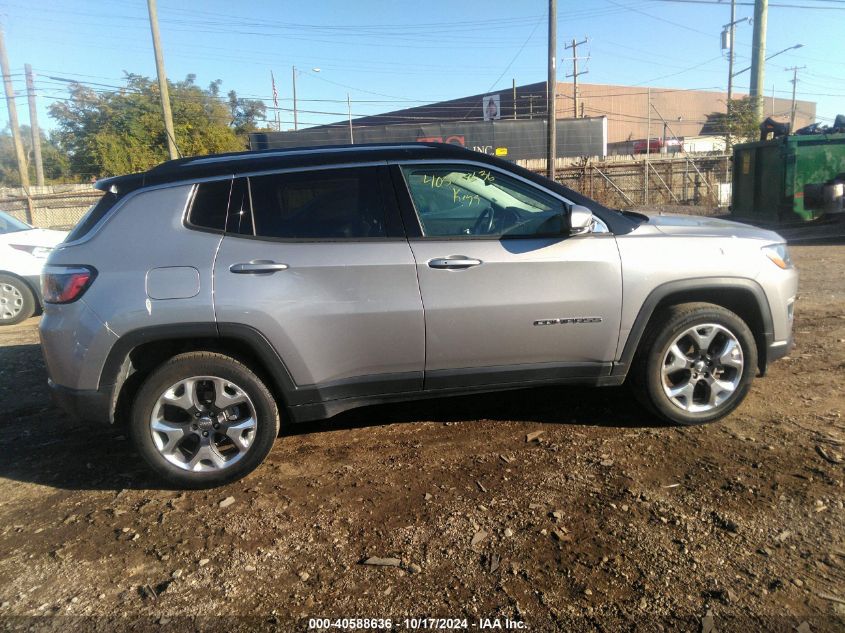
x=65, y=284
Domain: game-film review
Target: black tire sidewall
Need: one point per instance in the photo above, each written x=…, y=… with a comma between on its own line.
x=28, y=300
x=266, y=411
x=670, y=330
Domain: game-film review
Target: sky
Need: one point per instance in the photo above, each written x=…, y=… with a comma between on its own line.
x=391, y=55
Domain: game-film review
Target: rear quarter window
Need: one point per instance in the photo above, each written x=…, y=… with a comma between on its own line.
x=222, y=205
x=96, y=213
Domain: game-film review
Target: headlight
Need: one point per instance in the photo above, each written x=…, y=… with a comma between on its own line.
x=779, y=254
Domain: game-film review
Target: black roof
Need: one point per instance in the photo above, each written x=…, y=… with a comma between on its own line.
x=251, y=161
x=196, y=167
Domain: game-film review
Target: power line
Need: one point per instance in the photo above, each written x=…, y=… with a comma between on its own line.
x=751, y=4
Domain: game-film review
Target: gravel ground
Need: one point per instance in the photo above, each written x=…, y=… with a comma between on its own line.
x=607, y=520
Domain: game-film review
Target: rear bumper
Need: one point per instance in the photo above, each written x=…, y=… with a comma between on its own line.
x=83, y=405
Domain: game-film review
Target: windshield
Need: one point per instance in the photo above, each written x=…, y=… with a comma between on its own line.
x=8, y=224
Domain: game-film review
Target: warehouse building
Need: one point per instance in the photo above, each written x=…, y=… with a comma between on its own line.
x=633, y=112
x=511, y=123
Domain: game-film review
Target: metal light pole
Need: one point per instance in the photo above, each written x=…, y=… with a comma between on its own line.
x=747, y=68
x=295, y=121
x=293, y=75
x=349, y=112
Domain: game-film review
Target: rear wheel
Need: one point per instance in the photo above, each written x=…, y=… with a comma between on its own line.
x=695, y=364
x=203, y=419
x=17, y=303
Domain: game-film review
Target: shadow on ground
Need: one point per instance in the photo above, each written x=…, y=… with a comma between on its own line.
x=43, y=446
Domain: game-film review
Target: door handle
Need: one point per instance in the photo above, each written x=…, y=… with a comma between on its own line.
x=257, y=267
x=453, y=263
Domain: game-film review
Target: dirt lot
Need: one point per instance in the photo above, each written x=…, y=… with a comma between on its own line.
x=611, y=521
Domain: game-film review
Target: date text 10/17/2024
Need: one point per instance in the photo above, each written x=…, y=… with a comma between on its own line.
x=431, y=624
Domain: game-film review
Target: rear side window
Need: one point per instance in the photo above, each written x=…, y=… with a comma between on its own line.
x=96, y=213
x=326, y=204
x=208, y=209
x=212, y=200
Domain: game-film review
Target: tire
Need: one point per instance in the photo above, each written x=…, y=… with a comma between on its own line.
x=17, y=303
x=697, y=381
x=203, y=419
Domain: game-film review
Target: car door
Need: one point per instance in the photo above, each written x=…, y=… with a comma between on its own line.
x=509, y=296
x=316, y=261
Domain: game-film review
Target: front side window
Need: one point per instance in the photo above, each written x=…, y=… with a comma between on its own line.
x=325, y=204
x=467, y=200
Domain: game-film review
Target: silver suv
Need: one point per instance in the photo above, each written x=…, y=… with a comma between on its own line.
x=208, y=299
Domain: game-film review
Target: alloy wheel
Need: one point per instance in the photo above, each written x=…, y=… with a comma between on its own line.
x=203, y=423
x=702, y=368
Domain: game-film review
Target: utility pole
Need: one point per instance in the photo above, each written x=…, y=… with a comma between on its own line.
x=295, y=121
x=731, y=35
x=794, y=70
x=164, y=93
x=574, y=46
x=33, y=126
x=530, y=104
x=773, y=98
x=13, y=123
x=349, y=110
x=514, y=98
x=647, y=149
x=758, y=57
x=551, y=90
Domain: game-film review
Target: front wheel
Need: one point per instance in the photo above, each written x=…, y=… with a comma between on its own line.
x=203, y=419
x=695, y=364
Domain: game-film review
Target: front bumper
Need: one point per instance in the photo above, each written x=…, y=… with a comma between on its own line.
x=775, y=351
x=83, y=405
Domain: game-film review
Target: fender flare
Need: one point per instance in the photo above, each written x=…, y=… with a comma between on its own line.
x=115, y=368
x=687, y=286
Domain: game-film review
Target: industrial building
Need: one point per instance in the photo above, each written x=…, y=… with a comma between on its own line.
x=633, y=112
x=511, y=123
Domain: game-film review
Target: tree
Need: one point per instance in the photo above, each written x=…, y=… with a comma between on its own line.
x=742, y=124
x=246, y=113
x=121, y=131
x=55, y=161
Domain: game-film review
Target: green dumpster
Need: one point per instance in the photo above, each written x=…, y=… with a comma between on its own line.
x=769, y=176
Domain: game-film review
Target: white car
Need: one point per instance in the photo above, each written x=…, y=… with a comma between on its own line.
x=23, y=251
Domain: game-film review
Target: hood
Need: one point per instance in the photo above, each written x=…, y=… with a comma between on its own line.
x=36, y=237
x=702, y=226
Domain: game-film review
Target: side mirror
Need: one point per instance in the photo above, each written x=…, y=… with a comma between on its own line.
x=580, y=220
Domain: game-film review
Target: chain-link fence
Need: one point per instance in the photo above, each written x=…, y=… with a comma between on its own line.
x=49, y=207
x=661, y=181
x=632, y=183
